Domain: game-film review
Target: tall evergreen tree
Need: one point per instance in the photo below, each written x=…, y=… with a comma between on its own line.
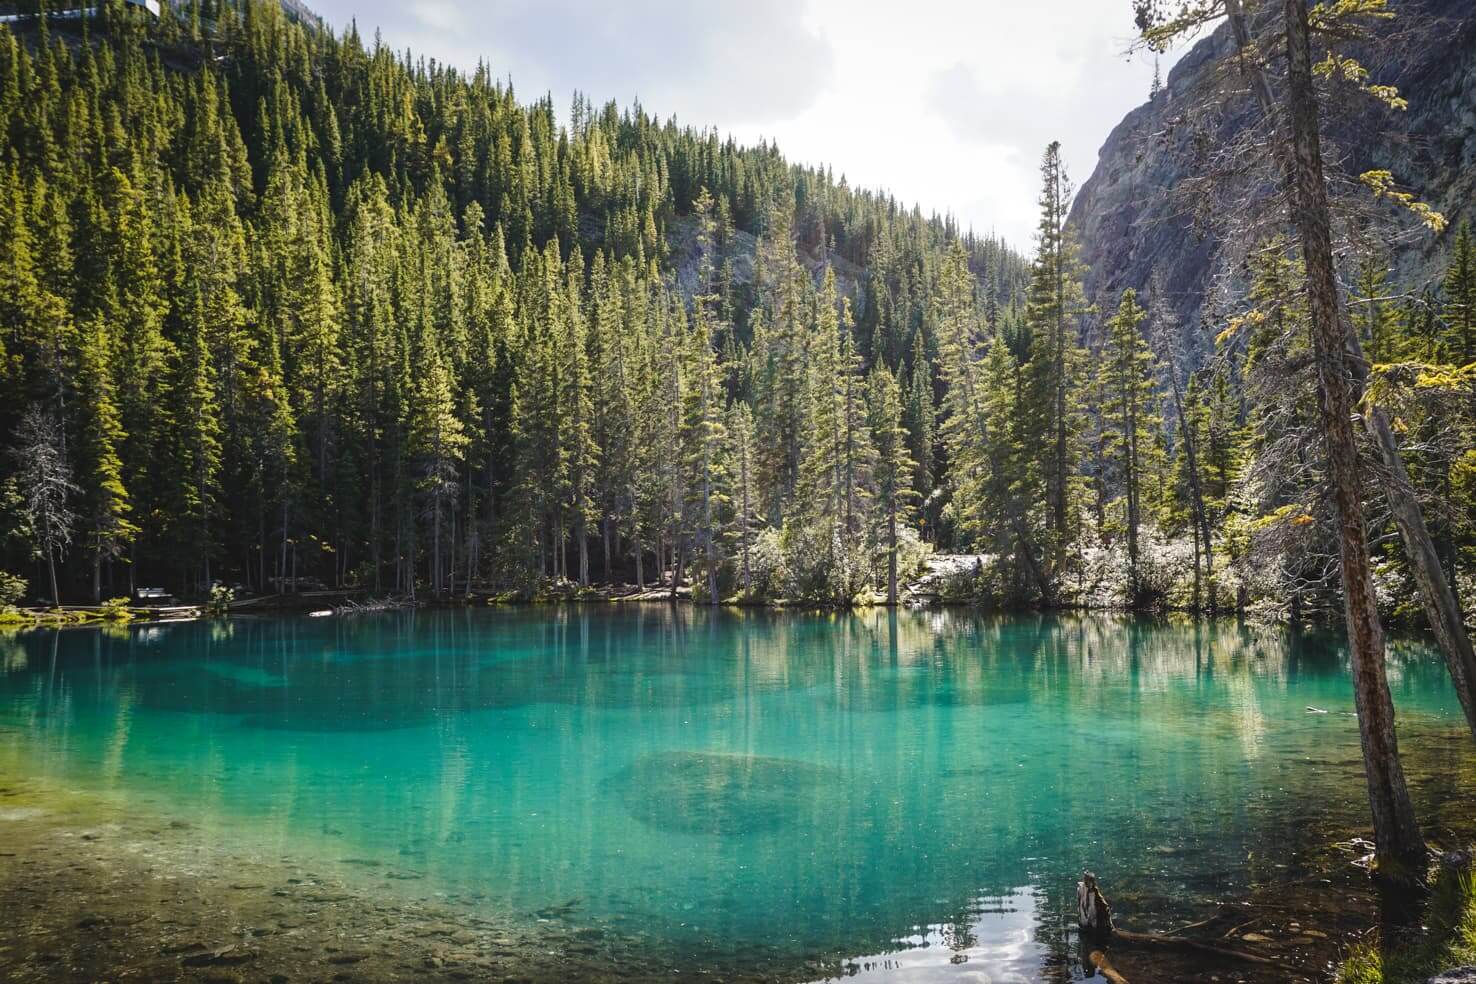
x=894, y=465
x=106, y=498
x=1129, y=406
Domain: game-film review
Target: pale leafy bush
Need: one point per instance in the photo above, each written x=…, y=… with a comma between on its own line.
x=12, y=589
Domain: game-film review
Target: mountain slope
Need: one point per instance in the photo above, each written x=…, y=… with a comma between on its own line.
x=1131, y=228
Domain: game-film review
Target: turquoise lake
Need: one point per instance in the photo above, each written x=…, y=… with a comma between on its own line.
x=741, y=786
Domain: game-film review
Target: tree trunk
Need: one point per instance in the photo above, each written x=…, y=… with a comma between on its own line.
x=605, y=536
x=1132, y=500
x=743, y=520
x=640, y=565
x=711, y=544
x=451, y=554
x=1196, y=493
x=1397, y=839
x=892, y=550
x=582, y=535
x=676, y=570
x=375, y=546
x=51, y=571
x=282, y=568
x=1441, y=608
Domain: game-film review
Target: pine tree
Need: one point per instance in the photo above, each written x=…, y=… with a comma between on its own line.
x=741, y=458
x=703, y=441
x=1128, y=406
x=107, y=501
x=1372, y=315
x=581, y=452
x=437, y=445
x=1055, y=302
x=196, y=448
x=894, y=465
x=1009, y=480
x=921, y=416
x=822, y=492
x=45, y=481
x=1460, y=298
x=964, y=429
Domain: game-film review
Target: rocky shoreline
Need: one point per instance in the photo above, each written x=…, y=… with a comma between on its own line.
x=89, y=895
x=87, y=898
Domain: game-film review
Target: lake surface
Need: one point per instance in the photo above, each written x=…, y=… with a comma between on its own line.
x=917, y=791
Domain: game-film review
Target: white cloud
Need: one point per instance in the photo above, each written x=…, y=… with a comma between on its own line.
x=947, y=103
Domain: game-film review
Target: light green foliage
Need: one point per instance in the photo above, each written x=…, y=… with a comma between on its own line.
x=116, y=610
x=220, y=600
x=12, y=590
x=1445, y=939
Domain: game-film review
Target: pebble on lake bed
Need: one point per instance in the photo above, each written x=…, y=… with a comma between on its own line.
x=1458, y=975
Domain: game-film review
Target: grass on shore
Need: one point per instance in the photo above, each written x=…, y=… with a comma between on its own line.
x=1446, y=940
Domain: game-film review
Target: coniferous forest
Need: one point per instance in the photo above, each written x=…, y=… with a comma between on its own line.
x=293, y=323
x=284, y=308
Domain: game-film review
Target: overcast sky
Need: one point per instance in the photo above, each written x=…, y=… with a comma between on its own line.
x=946, y=103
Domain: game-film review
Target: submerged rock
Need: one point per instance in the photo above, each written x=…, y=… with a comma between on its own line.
x=1459, y=975
x=721, y=794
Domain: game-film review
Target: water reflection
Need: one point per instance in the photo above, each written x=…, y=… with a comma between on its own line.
x=996, y=941
x=743, y=788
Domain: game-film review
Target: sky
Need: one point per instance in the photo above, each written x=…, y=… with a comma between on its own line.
x=944, y=103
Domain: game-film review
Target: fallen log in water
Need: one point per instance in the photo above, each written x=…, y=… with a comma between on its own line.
x=1103, y=966
x=351, y=607
x=1185, y=943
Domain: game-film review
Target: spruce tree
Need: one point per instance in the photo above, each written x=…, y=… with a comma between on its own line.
x=921, y=416
x=101, y=439
x=437, y=445
x=894, y=465
x=1128, y=391
x=1055, y=303
x=745, y=500
x=1459, y=308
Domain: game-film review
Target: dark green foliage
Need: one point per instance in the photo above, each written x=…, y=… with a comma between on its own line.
x=305, y=310
x=293, y=309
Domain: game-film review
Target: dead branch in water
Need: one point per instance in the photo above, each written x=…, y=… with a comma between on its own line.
x=1094, y=917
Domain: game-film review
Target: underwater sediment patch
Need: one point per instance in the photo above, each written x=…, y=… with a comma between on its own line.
x=721, y=794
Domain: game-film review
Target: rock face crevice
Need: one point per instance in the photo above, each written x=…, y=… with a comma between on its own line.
x=1131, y=225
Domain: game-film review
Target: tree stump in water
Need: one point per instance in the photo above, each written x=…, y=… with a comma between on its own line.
x=1093, y=914
x=1094, y=918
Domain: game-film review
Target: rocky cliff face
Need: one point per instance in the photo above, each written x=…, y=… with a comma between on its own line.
x=1131, y=227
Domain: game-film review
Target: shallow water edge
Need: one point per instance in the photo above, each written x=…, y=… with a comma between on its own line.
x=875, y=765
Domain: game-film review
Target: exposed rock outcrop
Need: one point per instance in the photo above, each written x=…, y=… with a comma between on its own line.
x=1130, y=226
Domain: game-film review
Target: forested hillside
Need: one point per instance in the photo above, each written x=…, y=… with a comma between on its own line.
x=282, y=308
x=278, y=304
